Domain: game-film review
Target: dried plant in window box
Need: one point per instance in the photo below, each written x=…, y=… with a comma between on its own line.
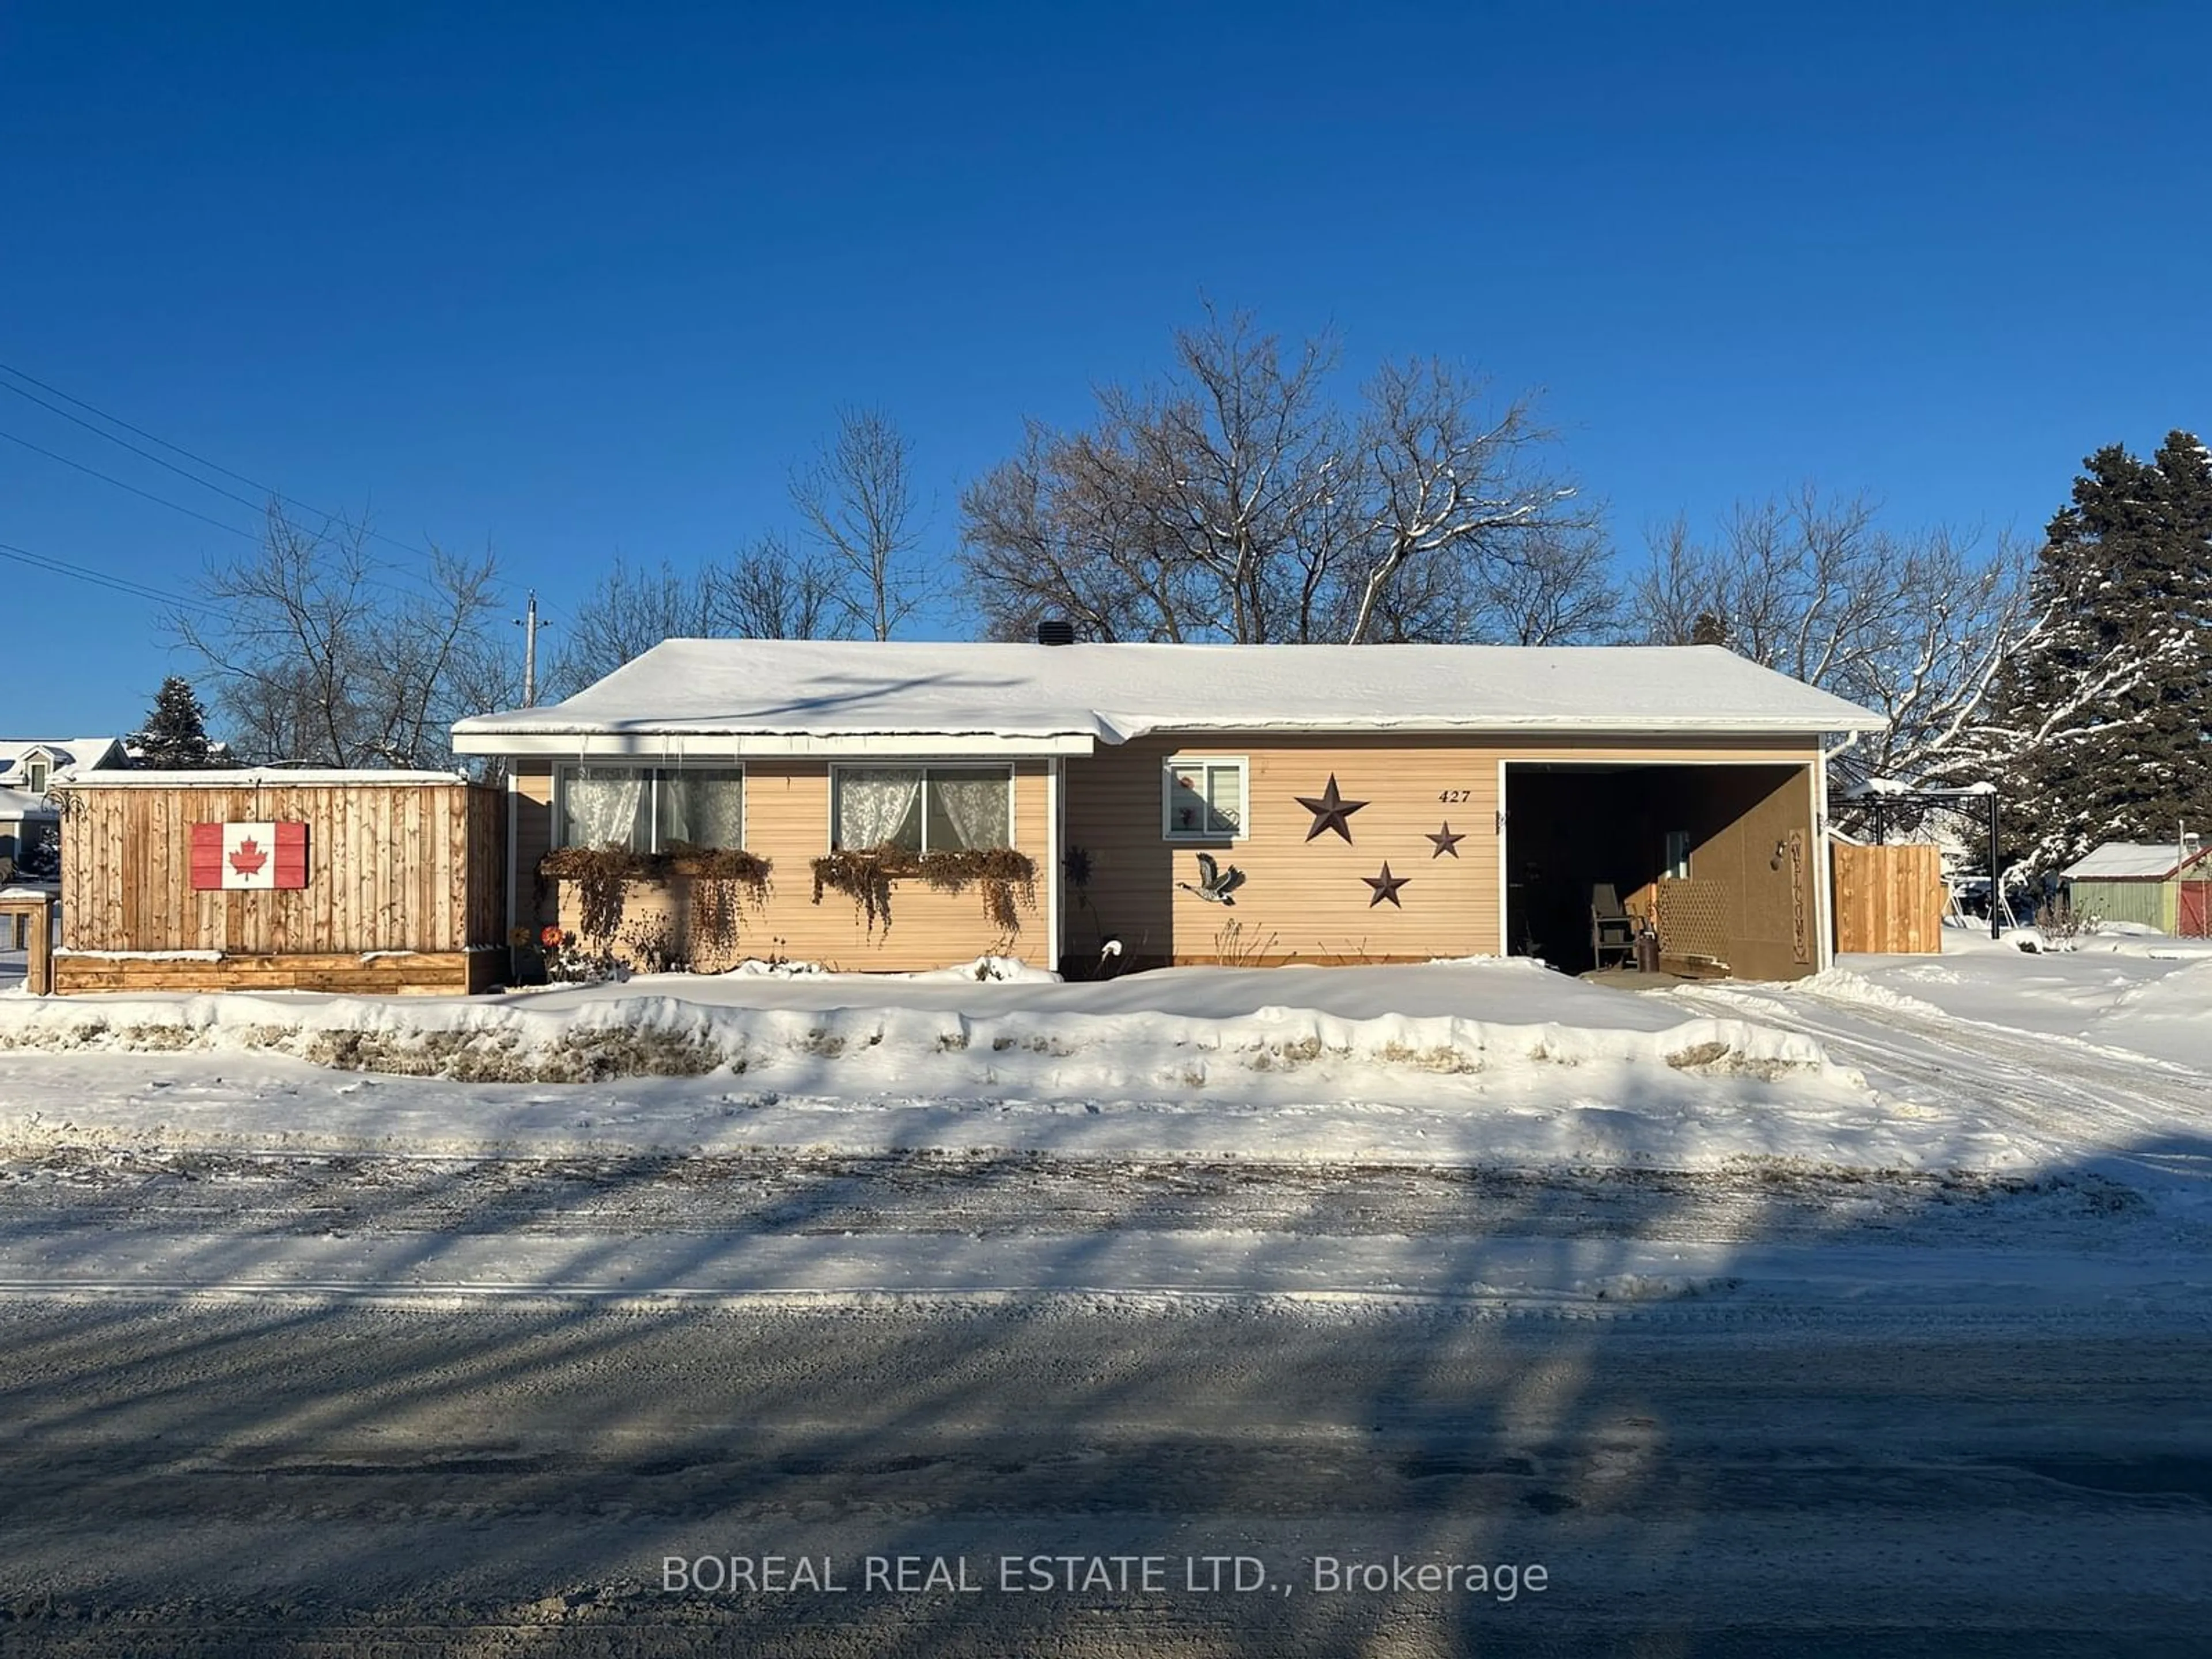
x=601, y=873
x=867, y=876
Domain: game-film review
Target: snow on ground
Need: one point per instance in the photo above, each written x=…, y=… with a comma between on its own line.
x=1478, y=1062
x=1488, y=1062
x=2145, y=993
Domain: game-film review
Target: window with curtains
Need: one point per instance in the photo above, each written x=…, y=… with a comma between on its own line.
x=923, y=809
x=650, y=809
x=1203, y=798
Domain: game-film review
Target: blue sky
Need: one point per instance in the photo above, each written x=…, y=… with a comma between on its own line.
x=578, y=281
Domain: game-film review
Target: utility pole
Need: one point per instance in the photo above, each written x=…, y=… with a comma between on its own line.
x=529, y=624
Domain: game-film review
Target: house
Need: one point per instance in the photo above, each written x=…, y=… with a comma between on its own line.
x=2165, y=885
x=30, y=821
x=908, y=805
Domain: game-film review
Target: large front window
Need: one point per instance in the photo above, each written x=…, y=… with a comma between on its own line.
x=651, y=809
x=923, y=809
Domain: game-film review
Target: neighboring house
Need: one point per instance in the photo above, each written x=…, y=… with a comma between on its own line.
x=2168, y=886
x=1380, y=803
x=30, y=820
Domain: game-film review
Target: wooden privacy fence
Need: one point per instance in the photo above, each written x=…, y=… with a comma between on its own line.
x=1889, y=900
x=337, y=881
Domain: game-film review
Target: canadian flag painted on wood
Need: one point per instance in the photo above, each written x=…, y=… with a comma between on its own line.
x=250, y=856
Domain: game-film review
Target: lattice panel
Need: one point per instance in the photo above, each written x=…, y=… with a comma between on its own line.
x=1694, y=919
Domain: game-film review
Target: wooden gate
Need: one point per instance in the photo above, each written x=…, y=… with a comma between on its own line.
x=1889, y=900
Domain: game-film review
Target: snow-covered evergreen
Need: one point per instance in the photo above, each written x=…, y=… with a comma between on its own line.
x=2098, y=720
x=175, y=739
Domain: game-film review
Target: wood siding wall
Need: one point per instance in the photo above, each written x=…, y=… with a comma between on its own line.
x=390, y=867
x=2149, y=901
x=1303, y=900
x=1889, y=900
x=787, y=823
x=1309, y=900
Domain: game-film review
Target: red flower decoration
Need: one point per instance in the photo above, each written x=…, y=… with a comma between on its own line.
x=549, y=938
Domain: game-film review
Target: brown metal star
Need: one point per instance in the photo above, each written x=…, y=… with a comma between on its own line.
x=1330, y=810
x=1446, y=841
x=1386, y=886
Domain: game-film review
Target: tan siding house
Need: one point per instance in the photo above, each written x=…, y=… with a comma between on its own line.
x=1198, y=804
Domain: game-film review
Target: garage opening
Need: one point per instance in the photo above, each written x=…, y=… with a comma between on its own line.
x=1735, y=842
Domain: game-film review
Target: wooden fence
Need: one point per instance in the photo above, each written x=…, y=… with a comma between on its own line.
x=404, y=888
x=1889, y=900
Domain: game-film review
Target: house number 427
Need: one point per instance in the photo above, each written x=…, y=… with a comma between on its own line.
x=1452, y=796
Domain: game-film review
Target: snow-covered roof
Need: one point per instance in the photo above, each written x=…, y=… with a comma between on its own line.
x=1077, y=695
x=2122, y=859
x=16, y=804
x=255, y=777
x=68, y=754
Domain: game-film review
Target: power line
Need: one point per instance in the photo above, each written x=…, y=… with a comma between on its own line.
x=421, y=583
x=268, y=492
x=159, y=500
x=144, y=454
x=101, y=578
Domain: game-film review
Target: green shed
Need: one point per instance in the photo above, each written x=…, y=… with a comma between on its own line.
x=2167, y=886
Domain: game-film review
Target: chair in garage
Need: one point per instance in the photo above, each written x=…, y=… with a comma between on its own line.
x=1612, y=928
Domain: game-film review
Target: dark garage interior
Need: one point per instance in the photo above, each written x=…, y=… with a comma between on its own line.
x=1569, y=826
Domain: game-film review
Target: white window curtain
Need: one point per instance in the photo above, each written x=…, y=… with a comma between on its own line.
x=876, y=807
x=968, y=809
x=702, y=806
x=606, y=804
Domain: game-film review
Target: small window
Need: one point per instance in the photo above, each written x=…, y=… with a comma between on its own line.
x=1203, y=798
x=923, y=809
x=1678, y=854
x=651, y=809
x=37, y=771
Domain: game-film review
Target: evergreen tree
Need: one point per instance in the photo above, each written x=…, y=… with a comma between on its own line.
x=175, y=739
x=2102, y=728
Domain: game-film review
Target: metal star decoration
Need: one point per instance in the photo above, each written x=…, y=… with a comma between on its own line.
x=1386, y=886
x=1446, y=841
x=1330, y=810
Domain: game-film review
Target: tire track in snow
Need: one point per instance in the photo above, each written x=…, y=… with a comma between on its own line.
x=2078, y=1095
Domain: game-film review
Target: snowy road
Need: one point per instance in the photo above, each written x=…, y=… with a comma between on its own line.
x=347, y=1479
x=1774, y=1411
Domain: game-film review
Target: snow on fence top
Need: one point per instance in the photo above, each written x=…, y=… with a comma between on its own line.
x=22, y=804
x=1113, y=693
x=2118, y=859
x=258, y=777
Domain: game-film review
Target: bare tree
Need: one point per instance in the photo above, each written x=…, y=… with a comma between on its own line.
x=1239, y=499
x=771, y=591
x=320, y=656
x=856, y=501
x=1455, y=485
x=1913, y=626
x=630, y=611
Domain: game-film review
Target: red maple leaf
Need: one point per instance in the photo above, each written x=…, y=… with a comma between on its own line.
x=249, y=857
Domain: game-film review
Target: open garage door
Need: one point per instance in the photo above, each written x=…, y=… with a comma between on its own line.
x=1737, y=841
